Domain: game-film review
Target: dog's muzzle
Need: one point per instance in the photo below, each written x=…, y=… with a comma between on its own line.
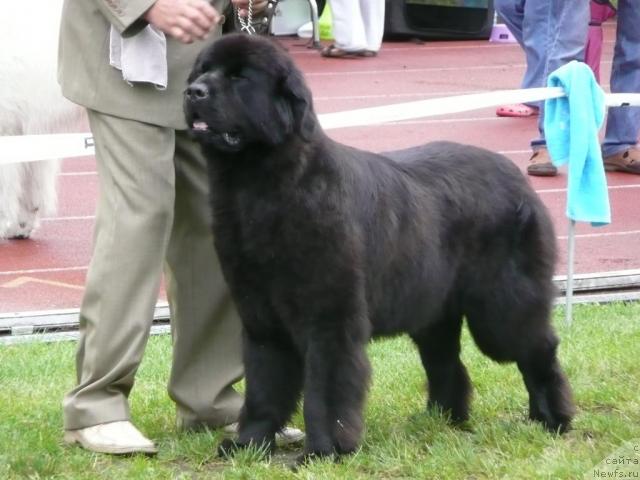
x=197, y=92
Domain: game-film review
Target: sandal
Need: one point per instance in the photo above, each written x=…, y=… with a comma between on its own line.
x=332, y=51
x=627, y=161
x=519, y=110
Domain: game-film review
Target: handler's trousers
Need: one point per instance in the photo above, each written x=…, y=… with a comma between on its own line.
x=153, y=205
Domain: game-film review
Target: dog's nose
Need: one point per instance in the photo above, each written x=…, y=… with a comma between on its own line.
x=197, y=91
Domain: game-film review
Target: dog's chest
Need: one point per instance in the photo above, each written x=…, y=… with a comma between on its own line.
x=261, y=229
x=279, y=234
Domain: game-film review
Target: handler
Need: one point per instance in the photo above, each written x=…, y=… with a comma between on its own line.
x=153, y=206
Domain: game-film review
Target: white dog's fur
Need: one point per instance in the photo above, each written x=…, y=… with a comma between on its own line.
x=30, y=103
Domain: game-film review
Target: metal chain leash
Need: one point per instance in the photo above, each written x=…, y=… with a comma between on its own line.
x=246, y=24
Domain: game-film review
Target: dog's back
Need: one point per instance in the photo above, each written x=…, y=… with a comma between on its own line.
x=459, y=223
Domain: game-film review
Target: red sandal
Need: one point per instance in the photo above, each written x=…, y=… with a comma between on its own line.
x=519, y=110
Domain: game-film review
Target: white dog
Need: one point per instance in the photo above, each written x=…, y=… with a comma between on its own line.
x=30, y=103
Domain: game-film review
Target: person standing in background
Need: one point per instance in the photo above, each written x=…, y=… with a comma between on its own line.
x=619, y=148
x=551, y=33
x=358, y=27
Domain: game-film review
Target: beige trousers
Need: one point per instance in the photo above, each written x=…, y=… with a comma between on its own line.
x=153, y=206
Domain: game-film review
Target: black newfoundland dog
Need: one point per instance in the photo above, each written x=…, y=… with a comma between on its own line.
x=324, y=246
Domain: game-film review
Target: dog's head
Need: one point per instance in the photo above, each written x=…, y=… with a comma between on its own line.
x=245, y=90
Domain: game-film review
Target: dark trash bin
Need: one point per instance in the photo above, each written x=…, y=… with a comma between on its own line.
x=439, y=19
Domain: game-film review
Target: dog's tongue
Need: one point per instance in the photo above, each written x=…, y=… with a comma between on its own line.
x=200, y=126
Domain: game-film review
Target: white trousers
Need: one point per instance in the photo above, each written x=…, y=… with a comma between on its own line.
x=358, y=24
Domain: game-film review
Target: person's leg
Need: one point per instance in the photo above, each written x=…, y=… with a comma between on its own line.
x=563, y=28
x=133, y=221
x=348, y=29
x=512, y=13
x=623, y=123
x=207, y=352
x=535, y=31
x=523, y=20
x=373, y=20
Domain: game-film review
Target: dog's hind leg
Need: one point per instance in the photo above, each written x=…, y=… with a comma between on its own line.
x=274, y=376
x=448, y=381
x=511, y=327
x=550, y=399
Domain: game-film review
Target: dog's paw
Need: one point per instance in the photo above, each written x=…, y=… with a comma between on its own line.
x=558, y=424
x=14, y=231
x=228, y=447
x=19, y=229
x=19, y=233
x=306, y=457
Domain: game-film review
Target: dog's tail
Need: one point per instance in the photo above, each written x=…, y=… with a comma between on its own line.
x=535, y=237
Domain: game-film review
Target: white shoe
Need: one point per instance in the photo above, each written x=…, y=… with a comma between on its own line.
x=117, y=438
x=286, y=436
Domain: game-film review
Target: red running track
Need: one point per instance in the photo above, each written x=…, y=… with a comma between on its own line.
x=48, y=271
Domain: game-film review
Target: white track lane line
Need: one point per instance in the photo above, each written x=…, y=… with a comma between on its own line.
x=611, y=187
x=404, y=71
x=601, y=235
x=391, y=48
x=326, y=98
x=69, y=219
x=44, y=270
x=83, y=173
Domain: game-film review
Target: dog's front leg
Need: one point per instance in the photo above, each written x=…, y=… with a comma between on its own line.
x=336, y=380
x=273, y=375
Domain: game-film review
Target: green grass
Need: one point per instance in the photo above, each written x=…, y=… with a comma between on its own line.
x=600, y=352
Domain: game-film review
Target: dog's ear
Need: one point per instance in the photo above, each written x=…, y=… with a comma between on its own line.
x=298, y=95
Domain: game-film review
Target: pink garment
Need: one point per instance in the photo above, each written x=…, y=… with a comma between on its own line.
x=593, y=50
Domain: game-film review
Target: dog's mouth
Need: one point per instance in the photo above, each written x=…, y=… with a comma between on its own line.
x=212, y=132
x=200, y=126
x=231, y=138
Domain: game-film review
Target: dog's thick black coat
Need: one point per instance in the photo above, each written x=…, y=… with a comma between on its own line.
x=324, y=246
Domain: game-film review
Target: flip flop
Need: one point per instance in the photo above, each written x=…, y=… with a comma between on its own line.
x=519, y=110
x=331, y=51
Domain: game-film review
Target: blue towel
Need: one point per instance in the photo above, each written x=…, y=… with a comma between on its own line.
x=571, y=127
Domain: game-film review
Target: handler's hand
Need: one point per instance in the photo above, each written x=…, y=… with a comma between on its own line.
x=243, y=6
x=185, y=20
